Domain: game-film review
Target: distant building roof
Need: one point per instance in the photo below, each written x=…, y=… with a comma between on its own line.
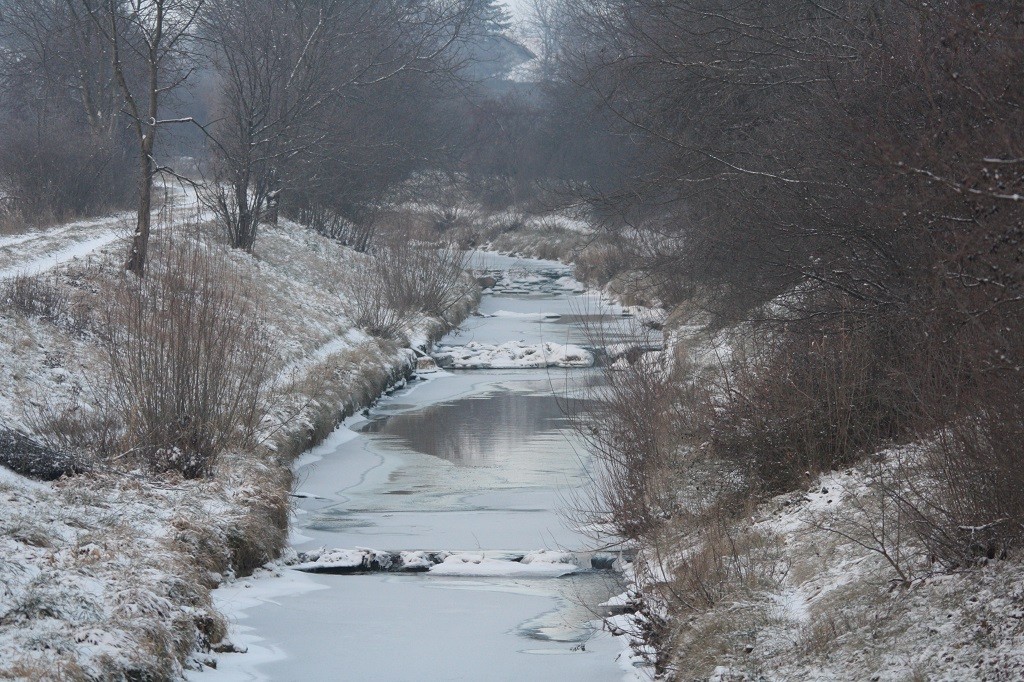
x=494, y=56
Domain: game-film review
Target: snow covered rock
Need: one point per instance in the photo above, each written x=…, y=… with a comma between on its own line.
x=426, y=365
x=512, y=355
x=539, y=564
x=536, y=564
x=345, y=561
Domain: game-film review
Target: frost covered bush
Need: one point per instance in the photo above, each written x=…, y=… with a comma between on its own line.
x=372, y=302
x=32, y=295
x=189, y=362
x=793, y=404
x=434, y=279
x=26, y=456
x=404, y=283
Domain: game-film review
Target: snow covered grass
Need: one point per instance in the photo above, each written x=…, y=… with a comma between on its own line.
x=107, y=575
x=823, y=583
x=835, y=580
x=568, y=235
x=553, y=237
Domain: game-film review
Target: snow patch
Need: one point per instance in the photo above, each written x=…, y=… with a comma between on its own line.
x=477, y=565
x=513, y=355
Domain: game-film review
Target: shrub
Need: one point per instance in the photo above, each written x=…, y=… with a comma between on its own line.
x=83, y=423
x=371, y=301
x=333, y=225
x=189, y=362
x=794, y=404
x=635, y=431
x=405, y=283
x=33, y=295
x=55, y=169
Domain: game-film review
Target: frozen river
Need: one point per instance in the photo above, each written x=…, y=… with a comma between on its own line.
x=473, y=461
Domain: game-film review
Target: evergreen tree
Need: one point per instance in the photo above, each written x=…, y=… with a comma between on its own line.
x=493, y=17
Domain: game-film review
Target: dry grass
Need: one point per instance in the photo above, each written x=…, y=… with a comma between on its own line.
x=716, y=594
x=33, y=295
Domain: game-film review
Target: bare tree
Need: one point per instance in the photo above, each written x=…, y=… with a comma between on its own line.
x=293, y=74
x=543, y=26
x=274, y=61
x=62, y=152
x=157, y=35
x=55, y=51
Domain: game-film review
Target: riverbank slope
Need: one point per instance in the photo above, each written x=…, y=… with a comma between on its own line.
x=107, y=574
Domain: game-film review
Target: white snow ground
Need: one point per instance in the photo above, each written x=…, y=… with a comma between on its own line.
x=38, y=251
x=820, y=601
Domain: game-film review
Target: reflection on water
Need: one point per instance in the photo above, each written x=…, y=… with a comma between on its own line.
x=579, y=598
x=495, y=429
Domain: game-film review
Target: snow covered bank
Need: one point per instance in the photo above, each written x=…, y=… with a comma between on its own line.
x=512, y=355
x=816, y=596
x=108, y=575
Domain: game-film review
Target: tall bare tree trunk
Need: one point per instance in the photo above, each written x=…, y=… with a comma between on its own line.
x=140, y=241
x=152, y=32
x=245, y=227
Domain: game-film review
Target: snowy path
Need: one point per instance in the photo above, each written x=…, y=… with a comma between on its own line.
x=40, y=251
x=35, y=252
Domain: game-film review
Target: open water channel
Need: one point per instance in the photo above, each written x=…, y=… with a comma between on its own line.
x=478, y=461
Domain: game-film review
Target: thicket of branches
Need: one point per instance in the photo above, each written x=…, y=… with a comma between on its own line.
x=62, y=152
x=322, y=107
x=846, y=179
